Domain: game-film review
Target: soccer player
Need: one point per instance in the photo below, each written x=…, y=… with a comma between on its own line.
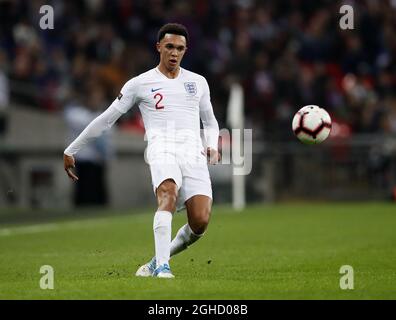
x=172, y=101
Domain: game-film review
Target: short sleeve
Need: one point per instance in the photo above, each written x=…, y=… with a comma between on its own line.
x=127, y=96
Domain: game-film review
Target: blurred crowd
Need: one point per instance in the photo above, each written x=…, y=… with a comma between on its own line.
x=285, y=53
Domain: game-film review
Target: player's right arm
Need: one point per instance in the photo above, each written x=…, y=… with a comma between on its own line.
x=100, y=124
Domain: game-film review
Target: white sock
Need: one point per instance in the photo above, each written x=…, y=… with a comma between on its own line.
x=162, y=227
x=184, y=237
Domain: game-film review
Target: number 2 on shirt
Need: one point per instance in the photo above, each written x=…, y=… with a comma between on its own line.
x=157, y=105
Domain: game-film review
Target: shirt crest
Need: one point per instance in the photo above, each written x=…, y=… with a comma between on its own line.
x=191, y=88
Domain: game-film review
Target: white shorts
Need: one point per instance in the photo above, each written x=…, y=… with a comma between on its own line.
x=191, y=179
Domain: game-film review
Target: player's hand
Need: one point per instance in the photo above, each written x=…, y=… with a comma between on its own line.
x=69, y=164
x=213, y=156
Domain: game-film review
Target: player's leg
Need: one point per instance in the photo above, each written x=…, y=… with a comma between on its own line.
x=167, y=180
x=162, y=226
x=198, y=214
x=196, y=193
x=166, y=194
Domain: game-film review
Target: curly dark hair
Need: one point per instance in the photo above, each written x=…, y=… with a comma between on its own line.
x=172, y=28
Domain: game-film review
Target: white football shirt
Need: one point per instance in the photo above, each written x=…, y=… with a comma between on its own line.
x=171, y=110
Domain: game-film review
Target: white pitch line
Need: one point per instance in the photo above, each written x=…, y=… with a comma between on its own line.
x=28, y=229
x=73, y=224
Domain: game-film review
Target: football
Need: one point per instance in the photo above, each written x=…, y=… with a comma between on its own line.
x=311, y=124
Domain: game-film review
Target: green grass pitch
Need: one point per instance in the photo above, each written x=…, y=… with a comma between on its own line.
x=287, y=251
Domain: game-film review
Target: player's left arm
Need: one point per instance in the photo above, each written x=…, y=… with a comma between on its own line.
x=211, y=127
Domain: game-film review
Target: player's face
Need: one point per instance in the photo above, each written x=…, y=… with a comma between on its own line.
x=172, y=49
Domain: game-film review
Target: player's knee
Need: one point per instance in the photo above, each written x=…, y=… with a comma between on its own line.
x=200, y=224
x=168, y=201
x=167, y=196
x=199, y=227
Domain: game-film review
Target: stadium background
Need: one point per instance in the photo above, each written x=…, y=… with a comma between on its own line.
x=285, y=54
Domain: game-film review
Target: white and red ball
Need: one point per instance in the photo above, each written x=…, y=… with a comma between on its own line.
x=311, y=124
